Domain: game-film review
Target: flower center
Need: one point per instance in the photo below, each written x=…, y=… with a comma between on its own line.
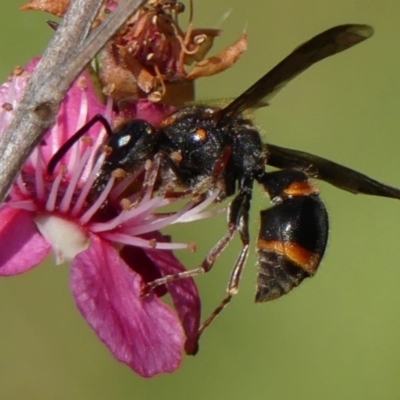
x=66, y=237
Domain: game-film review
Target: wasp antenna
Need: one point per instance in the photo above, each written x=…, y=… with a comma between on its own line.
x=62, y=151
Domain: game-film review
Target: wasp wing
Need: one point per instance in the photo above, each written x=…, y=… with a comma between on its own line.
x=328, y=171
x=324, y=45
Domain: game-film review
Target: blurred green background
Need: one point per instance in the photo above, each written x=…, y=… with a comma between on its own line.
x=335, y=337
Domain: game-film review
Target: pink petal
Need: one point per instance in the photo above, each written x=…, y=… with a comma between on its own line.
x=79, y=106
x=184, y=293
x=22, y=247
x=143, y=333
x=151, y=112
x=138, y=260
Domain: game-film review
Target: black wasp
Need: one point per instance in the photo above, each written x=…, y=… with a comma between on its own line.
x=202, y=148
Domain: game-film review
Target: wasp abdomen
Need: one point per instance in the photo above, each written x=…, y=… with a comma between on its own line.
x=291, y=243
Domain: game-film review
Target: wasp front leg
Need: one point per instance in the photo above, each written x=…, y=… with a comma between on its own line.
x=293, y=233
x=238, y=216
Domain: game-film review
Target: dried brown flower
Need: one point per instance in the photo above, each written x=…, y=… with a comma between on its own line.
x=55, y=7
x=152, y=57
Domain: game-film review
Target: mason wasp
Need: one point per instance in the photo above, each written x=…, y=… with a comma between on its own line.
x=203, y=148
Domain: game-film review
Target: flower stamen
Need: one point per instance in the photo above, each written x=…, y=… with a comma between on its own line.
x=51, y=201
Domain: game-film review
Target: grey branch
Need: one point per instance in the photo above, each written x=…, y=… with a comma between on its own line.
x=71, y=49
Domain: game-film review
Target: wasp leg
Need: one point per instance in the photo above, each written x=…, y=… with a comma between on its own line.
x=149, y=180
x=238, y=217
x=218, y=249
x=328, y=171
x=293, y=233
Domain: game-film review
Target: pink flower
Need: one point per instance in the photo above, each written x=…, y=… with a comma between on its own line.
x=112, y=257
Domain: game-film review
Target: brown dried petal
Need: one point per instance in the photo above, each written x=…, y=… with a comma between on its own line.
x=221, y=61
x=179, y=92
x=55, y=7
x=207, y=37
x=145, y=80
x=116, y=78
